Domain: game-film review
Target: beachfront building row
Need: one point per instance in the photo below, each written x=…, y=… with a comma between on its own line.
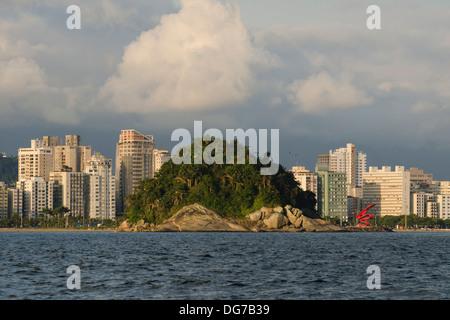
x=392, y=190
x=52, y=174
x=344, y=186
x=86, y=194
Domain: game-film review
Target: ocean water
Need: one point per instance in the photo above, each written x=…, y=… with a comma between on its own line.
x=197, y=266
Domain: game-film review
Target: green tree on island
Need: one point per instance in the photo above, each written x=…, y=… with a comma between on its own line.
x=230, y=189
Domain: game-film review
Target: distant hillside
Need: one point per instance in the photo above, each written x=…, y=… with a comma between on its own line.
x=229, y=189
x=8, y=169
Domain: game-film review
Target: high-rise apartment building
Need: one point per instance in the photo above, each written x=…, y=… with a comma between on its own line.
x=332, y=194
x=45, y=156
x=350, y=161
x=3, y=200
x=134, y=160
x=443, y=206
x=323, y=161
x=38, y=194
x=419, y=177
x=102, y=191
x=71, y=156
x=15, y=201
x=36, y=161
x=389, y=190
x=75, y=191
x=159, y=157
x=423, y=204
x=306, y=179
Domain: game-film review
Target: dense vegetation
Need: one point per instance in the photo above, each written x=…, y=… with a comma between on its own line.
x=8, y=169
x=229, y=189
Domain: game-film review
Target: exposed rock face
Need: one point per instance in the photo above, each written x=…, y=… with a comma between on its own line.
x=196, y=218
x=288, y=219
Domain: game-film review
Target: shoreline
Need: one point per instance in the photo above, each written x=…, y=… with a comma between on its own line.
x=115, y=230
x=53, y=230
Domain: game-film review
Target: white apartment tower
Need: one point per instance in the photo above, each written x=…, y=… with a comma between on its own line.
x=134, y=162
x=36, y=161
x=45, y=156
x=350, y=161
x=389, y=190
x=102, y=191
x=38, y=194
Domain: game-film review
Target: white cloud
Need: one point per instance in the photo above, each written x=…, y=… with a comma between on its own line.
x=321, y=93
x=199, y=58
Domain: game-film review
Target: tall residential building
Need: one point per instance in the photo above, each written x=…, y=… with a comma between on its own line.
x=419, y=177
x=306, y=179
x=3, y=200
x=423, y=204
x=441, y=187
x=350, y=161
x=75, y=191
x=36, y=161
x=46, y=155
x=332, y=194
x=71, y=155
x=50, y=141
x=443, y=206
x=323, y=161
x=38, y=194
x=389, y=190
x=102, y=194
x=134, y=159
x=159, y=157
x=15, y=201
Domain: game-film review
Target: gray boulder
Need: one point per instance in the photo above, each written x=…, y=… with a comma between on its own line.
x=276, y=221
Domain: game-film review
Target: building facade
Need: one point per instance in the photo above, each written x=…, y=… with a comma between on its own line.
x=332, y=194
x=443, y=206
x=71, y=156
x=102, y=188
x=38, y=195
x=306, y=179
x=389, y=190
x=4, y=210
x=423, y=204
x=36, y=161
x=159, y=157
x=74, y=192
x=350, y=161
x=134, y=162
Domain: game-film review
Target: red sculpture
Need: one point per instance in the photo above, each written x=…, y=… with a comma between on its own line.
x=363, y=216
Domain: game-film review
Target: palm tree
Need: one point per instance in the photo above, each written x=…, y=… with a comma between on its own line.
x=62, y=212
x=47, y=212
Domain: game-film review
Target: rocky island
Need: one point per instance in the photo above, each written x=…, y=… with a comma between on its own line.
x=229, y=197
x=197, y=218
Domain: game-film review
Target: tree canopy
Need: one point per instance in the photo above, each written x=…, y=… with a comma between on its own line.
x=230, y=189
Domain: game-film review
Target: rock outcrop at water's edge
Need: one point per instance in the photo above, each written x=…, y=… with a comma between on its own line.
x=197, y=218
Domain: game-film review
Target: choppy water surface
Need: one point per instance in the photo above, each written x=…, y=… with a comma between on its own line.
x=224, y=265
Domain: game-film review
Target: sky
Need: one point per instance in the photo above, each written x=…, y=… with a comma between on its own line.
x=311, y=69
